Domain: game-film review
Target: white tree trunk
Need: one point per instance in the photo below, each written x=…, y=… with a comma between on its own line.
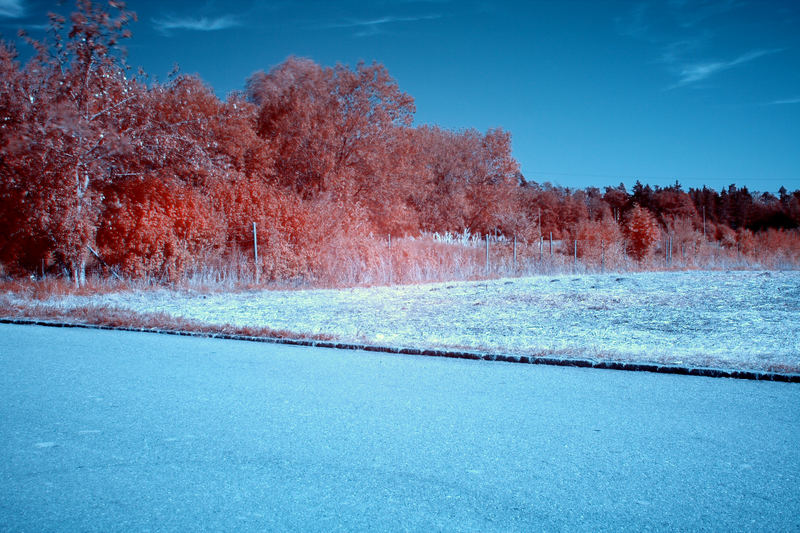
x=79, y=272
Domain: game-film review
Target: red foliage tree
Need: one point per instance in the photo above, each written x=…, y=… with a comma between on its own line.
x=393, y=203
x=541, y=205
x=23, y=246
x=673, y=204
x=597, y=237
x=150, y=177
x=72, y=98
x=154, y=227
x=559, y=210
x=471, y=179
x=572, y=210
x=189, y=147
x=617, y=199
x=330, y=126
x=641, y=231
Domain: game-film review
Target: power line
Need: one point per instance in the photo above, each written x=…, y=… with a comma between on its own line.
x=672, y=178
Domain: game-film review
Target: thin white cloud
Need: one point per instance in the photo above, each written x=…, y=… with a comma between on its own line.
x=685, y=32
x=695, y=72
x=169, y=24
x=12, y=9
x=374, y=26
x=787, y=101
x=674, y=52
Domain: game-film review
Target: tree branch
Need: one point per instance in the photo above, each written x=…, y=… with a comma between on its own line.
x=112, y=107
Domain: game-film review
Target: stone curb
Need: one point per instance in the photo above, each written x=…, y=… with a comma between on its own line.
x=477, y=356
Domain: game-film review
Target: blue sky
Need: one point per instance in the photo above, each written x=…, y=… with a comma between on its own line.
x=594, y=92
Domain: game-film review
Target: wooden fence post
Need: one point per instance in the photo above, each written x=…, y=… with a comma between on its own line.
x=602, y=256
x=704, y=222
x=487, y=254
x=575, y=265
x=255, y=253
x=670, y=249
x=515, y=254
x=391, y=262
x=666, y=251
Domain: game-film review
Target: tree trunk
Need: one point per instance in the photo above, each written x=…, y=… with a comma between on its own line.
x=79, y=272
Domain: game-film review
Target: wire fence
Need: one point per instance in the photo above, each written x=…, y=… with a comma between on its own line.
x=446, y=257
x=433, y=257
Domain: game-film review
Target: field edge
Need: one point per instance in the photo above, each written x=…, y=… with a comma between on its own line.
x=210, y=331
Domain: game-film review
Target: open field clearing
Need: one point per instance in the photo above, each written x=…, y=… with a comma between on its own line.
x=743, y=320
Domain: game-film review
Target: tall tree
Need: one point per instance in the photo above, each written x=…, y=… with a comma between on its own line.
x=330, y=126
x=672, y=204
x=617, y=199
x=75, y=90
x=472, y=179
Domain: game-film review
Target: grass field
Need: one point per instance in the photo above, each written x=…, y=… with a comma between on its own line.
x=740, y=319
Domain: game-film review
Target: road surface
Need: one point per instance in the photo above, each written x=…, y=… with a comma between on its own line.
x=121, y=431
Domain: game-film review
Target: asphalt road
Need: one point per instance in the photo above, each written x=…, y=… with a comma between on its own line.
x=120, y=431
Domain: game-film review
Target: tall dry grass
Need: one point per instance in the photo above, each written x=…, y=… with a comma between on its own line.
x=124, y=318
x=452, y=257
x=431, y=258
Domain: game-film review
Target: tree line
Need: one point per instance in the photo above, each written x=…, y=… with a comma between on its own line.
x=102, y=166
